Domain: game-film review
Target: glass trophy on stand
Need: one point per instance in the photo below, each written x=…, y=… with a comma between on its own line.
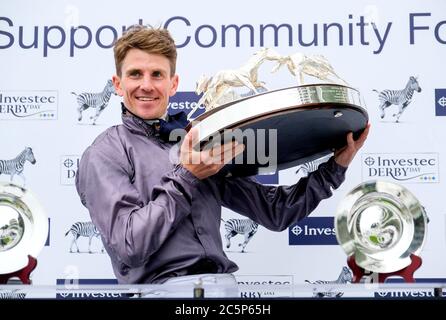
x=23, y=232
x=382, y=228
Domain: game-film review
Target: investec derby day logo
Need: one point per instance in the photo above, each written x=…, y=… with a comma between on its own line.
x=68, y=169
x=267, y=286
x=34, y=105
x=440, y=102
x=405, y=167
x=313, y=231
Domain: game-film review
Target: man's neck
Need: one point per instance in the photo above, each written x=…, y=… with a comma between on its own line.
x=148, y=121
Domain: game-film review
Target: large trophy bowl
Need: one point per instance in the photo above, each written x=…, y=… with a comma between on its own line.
x=382, y=225
x=287, y=127
x=279, y=128
x=23, y=232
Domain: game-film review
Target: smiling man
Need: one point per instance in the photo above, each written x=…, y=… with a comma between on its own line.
x=145, y=79
x=159, y=217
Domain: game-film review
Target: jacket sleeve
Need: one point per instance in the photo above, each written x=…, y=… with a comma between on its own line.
x=132, y=227
x=276, y=208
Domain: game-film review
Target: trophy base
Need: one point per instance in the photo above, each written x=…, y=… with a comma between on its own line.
x=406, y=273
x=23, y=274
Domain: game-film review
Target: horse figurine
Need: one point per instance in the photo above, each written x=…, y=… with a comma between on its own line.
x=313, y=65
x=215, y=87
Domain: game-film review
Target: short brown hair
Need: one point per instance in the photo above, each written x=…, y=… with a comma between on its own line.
x=148, y=39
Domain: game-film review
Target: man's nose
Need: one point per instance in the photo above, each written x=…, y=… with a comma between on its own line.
x=147, y=83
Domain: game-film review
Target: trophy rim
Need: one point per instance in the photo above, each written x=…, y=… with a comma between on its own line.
x=35, y=231
x=254, y=107
x=292, y=113
x=209, y=113
x=416, y=229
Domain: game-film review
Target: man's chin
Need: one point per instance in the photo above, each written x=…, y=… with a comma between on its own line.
x=147, y=114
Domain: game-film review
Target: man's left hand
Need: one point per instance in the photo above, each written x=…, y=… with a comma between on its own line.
x=345, y=155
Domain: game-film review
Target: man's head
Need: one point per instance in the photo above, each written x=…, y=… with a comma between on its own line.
x=145, y=77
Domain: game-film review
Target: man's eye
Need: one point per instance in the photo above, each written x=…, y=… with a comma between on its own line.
x=156, y=74
x=135, y=74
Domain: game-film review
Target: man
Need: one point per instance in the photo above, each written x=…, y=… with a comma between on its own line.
x=159, y=220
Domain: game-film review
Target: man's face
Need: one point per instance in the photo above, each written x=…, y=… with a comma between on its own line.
x=145, y=83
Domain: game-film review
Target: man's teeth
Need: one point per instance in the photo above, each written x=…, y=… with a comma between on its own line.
x=146, y=99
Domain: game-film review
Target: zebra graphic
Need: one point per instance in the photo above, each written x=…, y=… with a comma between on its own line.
x=11, y=294
x=246, y=227
x=97, y=101
x=401, y=98
x=83, y=229
x=15, y=166
x=344, y=277
x=312, y=166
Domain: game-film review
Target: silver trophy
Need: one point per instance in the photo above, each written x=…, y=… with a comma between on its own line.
x=382, y=228
x=23, y=232
x=280, y=128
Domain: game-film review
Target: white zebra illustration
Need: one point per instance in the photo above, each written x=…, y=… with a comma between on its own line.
x=15, y=166
x=11, y=294
x=246, y=227
x=401, y=98
x=83, y=229
x=344, y=277
x=312, y=166
x=96, y=101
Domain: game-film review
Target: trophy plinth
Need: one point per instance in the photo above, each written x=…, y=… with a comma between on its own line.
x=405, y=273
x=23, y=274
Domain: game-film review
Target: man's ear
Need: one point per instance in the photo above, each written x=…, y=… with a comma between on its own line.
x=117, y=83
x=174, y=81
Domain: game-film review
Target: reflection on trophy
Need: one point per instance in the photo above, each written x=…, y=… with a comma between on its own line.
x=280, y=128
x=382, y=228
x=23, y=232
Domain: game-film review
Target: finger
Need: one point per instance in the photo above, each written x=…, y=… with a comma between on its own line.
x=233, y=153
x=363, y=136
x=366, y=132
x=228, y=146
x=350, y=141
x=190, y=137
x=218, y=150
x=229, y=154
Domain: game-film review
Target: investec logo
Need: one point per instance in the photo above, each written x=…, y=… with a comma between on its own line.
x=74, y=289
x=440, y=102
x=30, y=105
x=313, y=231
x=267, y=286
x=403, y=167
x=68, y=169
x=411, y=293
x=185, y=101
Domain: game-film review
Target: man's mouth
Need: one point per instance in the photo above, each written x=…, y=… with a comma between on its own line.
x=145, y=99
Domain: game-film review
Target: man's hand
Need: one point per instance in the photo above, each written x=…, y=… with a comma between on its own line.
x=345, y=155
x=207, y=162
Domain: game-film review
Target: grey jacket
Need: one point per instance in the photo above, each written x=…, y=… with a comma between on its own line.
x=156, y=219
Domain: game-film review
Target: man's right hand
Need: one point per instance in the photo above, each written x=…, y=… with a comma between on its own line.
x=208, y=162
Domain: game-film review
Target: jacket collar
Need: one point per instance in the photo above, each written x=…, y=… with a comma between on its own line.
x=136, y=124
x=158, y=127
